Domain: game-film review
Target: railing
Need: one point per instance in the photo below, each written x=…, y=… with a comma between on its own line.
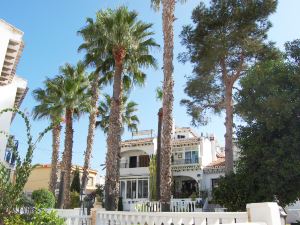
x=258, y=213
x=78, y=220
x=168, y=218
x=137, y=165
x=183, y=206
x=147, y=206
x=176, y=206
x=72, y=217
x=185, y=161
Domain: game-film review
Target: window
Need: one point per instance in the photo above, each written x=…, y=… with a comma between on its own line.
x=122, y=188
x=90, y=181
x=144, y=160
x=191, y=157
x=131, y=189
x=214, y=183
x=132, y=162
x=142, y=188
x=180, y=136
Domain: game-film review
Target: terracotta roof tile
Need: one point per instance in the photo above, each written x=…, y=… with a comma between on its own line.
x=220, y=162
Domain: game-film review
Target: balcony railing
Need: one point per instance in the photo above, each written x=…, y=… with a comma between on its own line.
x=9, y=155
x=134, y=165
x=185, y=161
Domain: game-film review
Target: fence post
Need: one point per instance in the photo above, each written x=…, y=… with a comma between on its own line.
x=265, y=212
x=93, y=216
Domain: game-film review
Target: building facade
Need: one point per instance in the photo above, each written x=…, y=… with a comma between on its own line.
x=40, y=177
x=197, y=163
x=12, y=88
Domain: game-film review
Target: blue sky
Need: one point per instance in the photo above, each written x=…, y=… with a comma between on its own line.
x=50, y=41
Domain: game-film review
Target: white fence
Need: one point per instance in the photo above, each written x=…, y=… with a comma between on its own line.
x=168, y=218
x=181, y=205
x=72, y=217
x=257, y=214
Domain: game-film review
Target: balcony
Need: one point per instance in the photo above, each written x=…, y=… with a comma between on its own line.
x=185, y=161
x=134, y=168
x=9, y=156
x=135, y=165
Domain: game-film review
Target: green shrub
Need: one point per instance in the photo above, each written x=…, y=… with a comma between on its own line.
x=15, y=220
x=43, y=198
x=193, y=196
x=39, y=217
x=75, y=200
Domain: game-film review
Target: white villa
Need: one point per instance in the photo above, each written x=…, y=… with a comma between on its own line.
x=12, y=88
x=197, y=163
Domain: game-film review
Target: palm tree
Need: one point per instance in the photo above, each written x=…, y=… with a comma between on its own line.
x=72, y=85
x=129, y=118
x=48, y=107
x=95, y=58
x=127, y=41
x=168, y=8
x=159, y=94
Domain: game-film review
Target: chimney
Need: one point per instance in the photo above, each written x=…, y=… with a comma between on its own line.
x=213, y=147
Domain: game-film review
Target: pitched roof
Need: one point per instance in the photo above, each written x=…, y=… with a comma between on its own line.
x=220, y=162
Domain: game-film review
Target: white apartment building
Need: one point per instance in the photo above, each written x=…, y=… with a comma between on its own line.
x=197, y=163
x=12, y=88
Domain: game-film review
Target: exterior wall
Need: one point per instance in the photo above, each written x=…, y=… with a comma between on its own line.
x=40, y=178
x=207, y=180
x=9, y=91
x=206, y=151
x=148, y=149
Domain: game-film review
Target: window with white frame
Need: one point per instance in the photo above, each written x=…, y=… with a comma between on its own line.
x=122, y=188
x=131, y=189
x=142, y=188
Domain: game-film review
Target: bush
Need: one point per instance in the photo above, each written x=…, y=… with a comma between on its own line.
x=43, y=198
x=40, y=216
x=75, y=200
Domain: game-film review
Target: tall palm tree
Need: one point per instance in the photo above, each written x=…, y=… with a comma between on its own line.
x=95, y=58
x=127, y=41
x=159, y=95
x=48, y=107
x=72, y=85
x=129, y=118
x=168, y=8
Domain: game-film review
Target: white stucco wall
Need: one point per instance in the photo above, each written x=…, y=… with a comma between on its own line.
x=206, y=151
x=206, y=180
x=9, y=91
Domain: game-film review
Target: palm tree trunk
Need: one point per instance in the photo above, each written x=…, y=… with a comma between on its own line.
x=91, y=131
x=168, y=98
x=55, y=152
x=113, y=143
x=158, y=153
x=229, y=129
x=67, y=158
